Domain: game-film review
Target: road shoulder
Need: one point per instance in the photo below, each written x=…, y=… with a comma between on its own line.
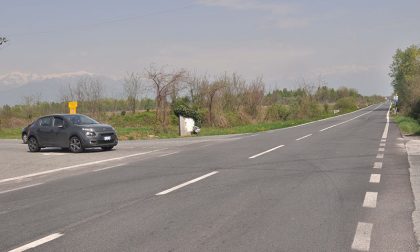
x=413, y=150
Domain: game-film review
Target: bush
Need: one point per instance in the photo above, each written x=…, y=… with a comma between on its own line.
x=182, y=110
x=346, y=104
x=277, y=112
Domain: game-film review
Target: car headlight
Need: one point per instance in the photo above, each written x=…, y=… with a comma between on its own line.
x=90, y=134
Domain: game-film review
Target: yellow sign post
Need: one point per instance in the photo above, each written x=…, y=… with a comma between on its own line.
x=72, y=107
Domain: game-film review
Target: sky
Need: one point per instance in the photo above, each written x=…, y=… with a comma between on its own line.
x=343, y=43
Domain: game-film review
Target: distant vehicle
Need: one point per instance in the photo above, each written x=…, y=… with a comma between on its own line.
x=24, y=134
x=73, y=132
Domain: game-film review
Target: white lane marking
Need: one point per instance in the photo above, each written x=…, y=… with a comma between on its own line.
x=300, y=138
x=361, y=241
x=380, y=156
x=385, y=134
x=253, y=135
x=383, y=140
x=370, y=199
x=351, y=119
x=375, y=178
x=186, y=183
x=333, y=117
x=382, y=144
x=76, y=166
x=164, y=155
x=19, y=188
x=109, y=167
x=381, y=149
x=53, y=154
x=377, y=165
x=37, y=242
x=265, y=152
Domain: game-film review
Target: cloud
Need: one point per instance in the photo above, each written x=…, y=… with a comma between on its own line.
x=343, y=69
x=278, y=14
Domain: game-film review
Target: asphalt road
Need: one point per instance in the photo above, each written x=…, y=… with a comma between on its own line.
x=333, y=185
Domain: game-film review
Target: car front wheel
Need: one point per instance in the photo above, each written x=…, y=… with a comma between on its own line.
x=33, y=145
x=75, y=145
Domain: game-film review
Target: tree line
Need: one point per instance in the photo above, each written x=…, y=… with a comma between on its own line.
x=222, y=100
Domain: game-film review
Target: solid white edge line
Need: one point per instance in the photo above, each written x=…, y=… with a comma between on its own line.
x=370, y=199
x=375, y=178
x=385, y=134
x=361, y=241
x=109, y=167
x=19, y=188
x=37, y=242
x=75, y=166
x=325, y=119
x=351, y=119
x=186, y=183
x=300, y=138
x=265, y=152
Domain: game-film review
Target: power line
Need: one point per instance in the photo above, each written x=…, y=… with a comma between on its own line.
x=110, y=21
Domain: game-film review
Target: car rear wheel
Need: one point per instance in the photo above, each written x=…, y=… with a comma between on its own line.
x=107, y=148
x=24, y=138
x=75, y=145
x=33, y=145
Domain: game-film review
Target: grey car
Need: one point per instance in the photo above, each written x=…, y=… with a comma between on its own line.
x=74, y=132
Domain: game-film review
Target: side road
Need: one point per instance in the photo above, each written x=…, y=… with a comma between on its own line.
x=413, y=150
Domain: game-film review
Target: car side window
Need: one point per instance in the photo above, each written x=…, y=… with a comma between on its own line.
x=45, y=122
x=58, y=122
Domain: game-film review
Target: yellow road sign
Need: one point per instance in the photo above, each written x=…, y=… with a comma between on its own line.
x=73, y=107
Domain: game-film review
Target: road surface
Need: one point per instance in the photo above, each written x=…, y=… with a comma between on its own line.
x=339, y=184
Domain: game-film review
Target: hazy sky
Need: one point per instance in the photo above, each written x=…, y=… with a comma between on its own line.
x=347, y=43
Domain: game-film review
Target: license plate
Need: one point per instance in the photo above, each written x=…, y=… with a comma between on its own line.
x=107, y=138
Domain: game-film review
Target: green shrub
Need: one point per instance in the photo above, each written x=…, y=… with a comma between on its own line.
x=346, y=104
x=277, y=112
x=182, y=110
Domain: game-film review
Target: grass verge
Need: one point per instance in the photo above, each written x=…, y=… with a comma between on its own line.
x=12, y=133
x=408, y=125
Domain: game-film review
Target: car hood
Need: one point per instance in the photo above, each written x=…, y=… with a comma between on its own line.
x=98, y=127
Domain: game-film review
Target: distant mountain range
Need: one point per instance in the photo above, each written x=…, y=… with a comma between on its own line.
x=16, y=85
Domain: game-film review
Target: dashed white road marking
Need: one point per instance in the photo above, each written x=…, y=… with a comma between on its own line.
x=383, y=140
x=375, y=178
x=382, y=144
x=168, y=154
x=76, y=166
x=361, y=241
x=377, y=165
x=351, y=119
x=109, y=167
x=186, y=183
x=37, y=242
x=370, y=199
x=19, y=188
x=265, y=152
x=300, y=138
x=381, y=149
x=380, y=156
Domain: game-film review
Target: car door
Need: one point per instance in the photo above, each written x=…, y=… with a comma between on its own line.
x=45, y=131
x=60, y=138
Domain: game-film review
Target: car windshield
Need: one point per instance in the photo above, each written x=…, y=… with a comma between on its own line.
x=80, y=119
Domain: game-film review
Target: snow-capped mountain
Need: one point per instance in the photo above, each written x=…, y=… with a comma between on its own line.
x=16, y=85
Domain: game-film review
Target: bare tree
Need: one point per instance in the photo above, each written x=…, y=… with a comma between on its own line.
x=209, y=93
x=132, y=87
x=166, y=85
x=253, y=97
x=3, y=40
